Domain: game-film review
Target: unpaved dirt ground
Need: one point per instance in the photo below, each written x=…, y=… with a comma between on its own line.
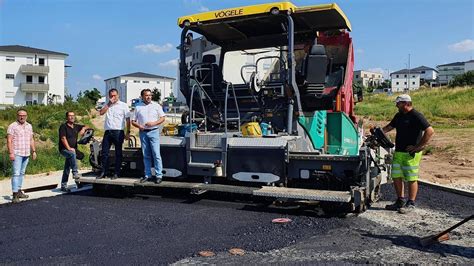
x=450, y=157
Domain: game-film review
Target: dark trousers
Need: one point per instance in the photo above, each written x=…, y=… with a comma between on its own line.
x=116, y=138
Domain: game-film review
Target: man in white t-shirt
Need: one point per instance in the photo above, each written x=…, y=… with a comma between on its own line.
x=117, y=114
x=147, y=117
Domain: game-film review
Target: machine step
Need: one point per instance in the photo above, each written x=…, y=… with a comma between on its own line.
x=307, y=194
x=202, y=165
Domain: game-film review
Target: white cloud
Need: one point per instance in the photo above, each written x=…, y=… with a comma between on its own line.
x=462, y=46
x=197, y=4
x=359, y=51
x=170, y=63
x=154, y=48
x=97, y=77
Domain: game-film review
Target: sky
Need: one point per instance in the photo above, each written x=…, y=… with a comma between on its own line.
x=106, y=38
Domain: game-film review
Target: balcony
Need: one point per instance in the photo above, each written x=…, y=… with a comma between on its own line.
x=34, y=87
x=30, y=69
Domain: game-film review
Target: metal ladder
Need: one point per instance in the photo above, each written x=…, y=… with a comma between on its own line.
x=226, y=119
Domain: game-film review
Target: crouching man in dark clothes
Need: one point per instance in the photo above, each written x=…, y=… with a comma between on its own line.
x=68, y=147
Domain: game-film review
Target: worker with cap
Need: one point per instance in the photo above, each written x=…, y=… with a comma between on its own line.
x=413, y=133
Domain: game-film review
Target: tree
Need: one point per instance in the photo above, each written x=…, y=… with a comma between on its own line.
x=90, y=95
x=68, y=98
x=466, y=79
x=155, y=95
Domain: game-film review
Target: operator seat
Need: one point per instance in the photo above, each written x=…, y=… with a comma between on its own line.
x=314, y=94
x=209, y=75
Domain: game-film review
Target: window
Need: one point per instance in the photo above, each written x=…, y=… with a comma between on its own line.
x=413, y=83
x=158, y=82
x=41, y=61
x=357, y=76
x=413, y=76
x=41, y=79
x=29, y=79
x=145, y=81
x=423, y=72
x=9, y=94
x=405, y=83
x=136, y=81
x=398, y=83
x=10, y=59
x=398, y=76
x=10, y=76
x=365, y=75
x=404, y=76
x=29, y=98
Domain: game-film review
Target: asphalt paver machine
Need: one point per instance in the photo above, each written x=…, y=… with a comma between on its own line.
x=313, y=147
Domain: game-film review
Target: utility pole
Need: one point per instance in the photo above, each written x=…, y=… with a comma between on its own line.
x=408, y=72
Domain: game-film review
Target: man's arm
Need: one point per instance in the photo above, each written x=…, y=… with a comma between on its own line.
x=387, y=128
x=83, y=130
x=66, y=144
x=156, y=123
x=427, y=135
x=11, y=152
x=33, y=147
x=105, y=108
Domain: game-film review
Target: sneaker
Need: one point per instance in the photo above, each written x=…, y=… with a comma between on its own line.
x=22, y=195
x=15, y=198
x=407, y=208
x=115, y=176
x=144, y=179
x=396, y=205
x=65, y=189
x=157, y=180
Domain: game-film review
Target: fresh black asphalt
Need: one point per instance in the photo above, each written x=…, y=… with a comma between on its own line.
x=82, y=228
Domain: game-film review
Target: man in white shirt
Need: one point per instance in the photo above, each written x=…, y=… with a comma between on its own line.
x=117, y=114
x=147, y=118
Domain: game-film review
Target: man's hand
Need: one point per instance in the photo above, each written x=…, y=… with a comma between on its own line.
x=72, y=149
x=141, y=128
x=12, y=156
x=150, y=124
x=413, y=149
x=33, y=156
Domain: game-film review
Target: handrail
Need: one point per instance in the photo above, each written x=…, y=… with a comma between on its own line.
x=191, y=107
x=229, y=84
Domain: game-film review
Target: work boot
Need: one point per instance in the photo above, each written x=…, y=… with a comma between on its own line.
x=22, y=195
x=407, y=208
x=396, y=205
x=15, y=198
x=157, y=180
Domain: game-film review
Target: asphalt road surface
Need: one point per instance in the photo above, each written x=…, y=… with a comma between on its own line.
x=85, y=229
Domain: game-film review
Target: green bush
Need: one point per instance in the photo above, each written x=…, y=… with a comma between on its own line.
x=45, y=121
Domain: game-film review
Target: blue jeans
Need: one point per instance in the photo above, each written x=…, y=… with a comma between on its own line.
x=19, y=167
x=69, y=164
x=150, y=142
x=115, y=137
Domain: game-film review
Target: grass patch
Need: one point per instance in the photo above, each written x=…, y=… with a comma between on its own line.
x=45, y=121
x=443, y=107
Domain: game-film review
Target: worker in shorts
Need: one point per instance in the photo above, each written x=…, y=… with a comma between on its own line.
x=413, y=134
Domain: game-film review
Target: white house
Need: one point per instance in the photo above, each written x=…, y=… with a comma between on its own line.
x=31, y=76
x=469, y=66
x=447, y=72
x=427, y=74
x=130, y=85
x=368, y=78
x=405, y=80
